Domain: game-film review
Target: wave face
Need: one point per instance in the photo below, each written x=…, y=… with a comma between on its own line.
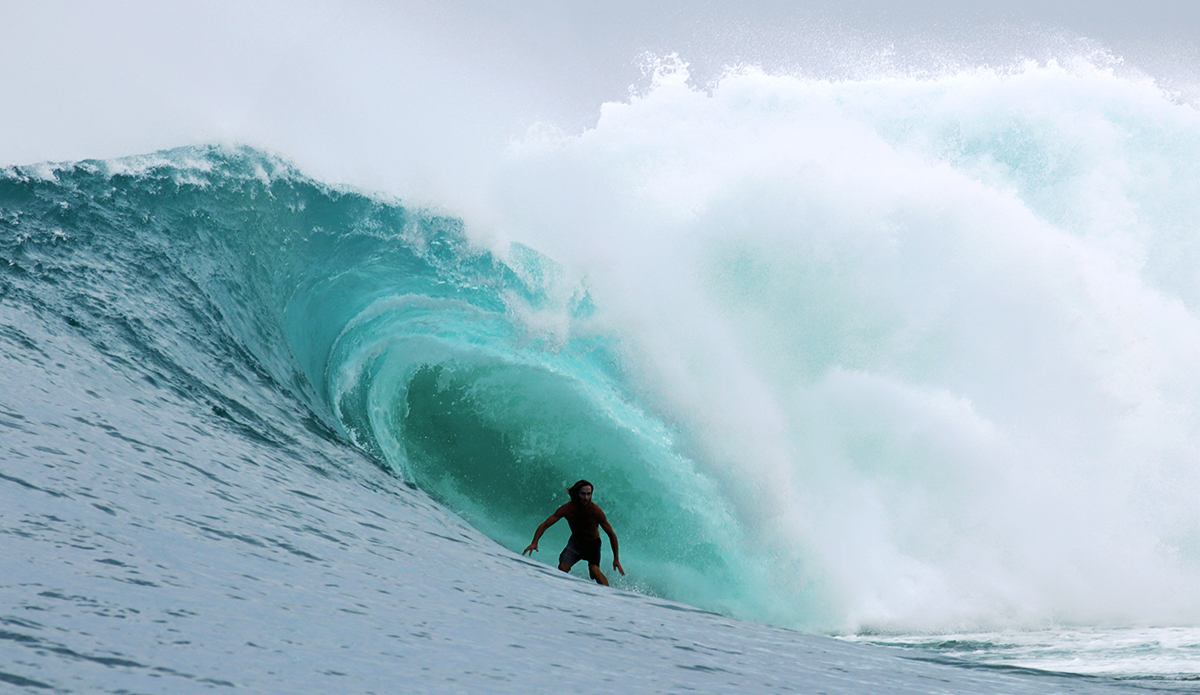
x=902, y=354
x=382, y=325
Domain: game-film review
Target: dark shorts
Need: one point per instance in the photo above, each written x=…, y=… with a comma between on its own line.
x=580, y=549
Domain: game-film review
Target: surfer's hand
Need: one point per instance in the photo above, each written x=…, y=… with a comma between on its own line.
x=617, y=567
x=532, y=547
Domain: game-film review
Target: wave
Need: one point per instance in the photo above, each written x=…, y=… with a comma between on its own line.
x=903, y=353
x=389, y=329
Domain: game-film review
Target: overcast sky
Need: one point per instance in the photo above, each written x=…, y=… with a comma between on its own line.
x=339, y=83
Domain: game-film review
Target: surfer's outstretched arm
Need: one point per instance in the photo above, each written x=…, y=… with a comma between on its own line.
x=550, y=521
x=612, y=539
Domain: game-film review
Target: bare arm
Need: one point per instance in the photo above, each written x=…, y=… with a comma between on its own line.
x=612, y=539
x=550, y=521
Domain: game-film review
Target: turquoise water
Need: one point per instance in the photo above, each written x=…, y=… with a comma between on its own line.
x=873, y=358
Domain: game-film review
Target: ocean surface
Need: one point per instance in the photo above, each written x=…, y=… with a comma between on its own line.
x=886, y=385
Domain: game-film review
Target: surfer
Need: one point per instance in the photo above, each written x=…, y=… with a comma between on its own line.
x=585, y=519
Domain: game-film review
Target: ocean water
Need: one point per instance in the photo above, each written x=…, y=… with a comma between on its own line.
x=907, y=360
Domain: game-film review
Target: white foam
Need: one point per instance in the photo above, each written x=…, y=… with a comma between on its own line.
x=921, y=330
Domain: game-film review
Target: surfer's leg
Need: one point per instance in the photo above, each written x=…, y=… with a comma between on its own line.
x=569, y=556
x=594, y=570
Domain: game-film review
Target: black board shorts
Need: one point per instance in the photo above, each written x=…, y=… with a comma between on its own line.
x=580, y=549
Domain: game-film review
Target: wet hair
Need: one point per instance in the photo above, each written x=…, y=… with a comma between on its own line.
x=573, y=491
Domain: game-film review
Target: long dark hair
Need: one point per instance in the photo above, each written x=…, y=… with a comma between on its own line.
x=573, y=491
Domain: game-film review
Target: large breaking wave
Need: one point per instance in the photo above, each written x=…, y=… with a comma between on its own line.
x=904, y=353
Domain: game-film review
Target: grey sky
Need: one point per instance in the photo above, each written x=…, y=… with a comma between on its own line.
x=354, y=84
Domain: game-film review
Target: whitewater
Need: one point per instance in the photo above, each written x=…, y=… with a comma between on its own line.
x=887, y=383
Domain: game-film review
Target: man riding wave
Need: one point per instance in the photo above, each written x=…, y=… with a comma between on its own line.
x=585, y=519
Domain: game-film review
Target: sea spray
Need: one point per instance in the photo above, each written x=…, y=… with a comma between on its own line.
x=934, y=337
